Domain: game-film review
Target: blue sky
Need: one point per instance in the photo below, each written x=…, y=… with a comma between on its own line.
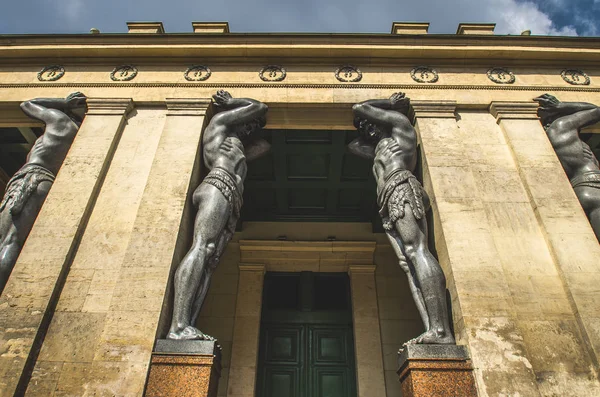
x=542, y=17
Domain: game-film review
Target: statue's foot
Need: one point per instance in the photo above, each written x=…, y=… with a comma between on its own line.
x=433, y=337
x=189, y=333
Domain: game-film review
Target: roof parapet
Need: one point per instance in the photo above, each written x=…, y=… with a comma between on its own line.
x=475, y=28
x=410, y=27
x=211, y=27
x=145, y=27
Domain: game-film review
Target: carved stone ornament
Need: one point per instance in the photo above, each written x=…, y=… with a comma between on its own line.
x=197, y=73
x=51, y=73
x=424, y=74
x=575, y=77
x=501, y=75
x=124, y=73
x=348, y=74
x=272, y=73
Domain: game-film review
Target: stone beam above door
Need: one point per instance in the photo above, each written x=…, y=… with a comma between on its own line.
x=315, y=256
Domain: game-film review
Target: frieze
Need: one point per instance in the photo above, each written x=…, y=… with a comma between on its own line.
x=197, y=73
x=348, y=74
x=424, y=74
x=272, y=73
x=575, y=77
x=124, y=73
x=501, y=75
x=51, y=73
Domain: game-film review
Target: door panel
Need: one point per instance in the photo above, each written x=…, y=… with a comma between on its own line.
x=329, y=345
x=282, y=381
x=283, y=345
x=331, y=382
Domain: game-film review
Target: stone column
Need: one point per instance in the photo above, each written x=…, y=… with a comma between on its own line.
x=31, y=294
x=367, y=334
x=246, y=331
x=482, y=306
x=568, y=234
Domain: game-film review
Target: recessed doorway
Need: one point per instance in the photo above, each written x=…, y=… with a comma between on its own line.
x=306, y=339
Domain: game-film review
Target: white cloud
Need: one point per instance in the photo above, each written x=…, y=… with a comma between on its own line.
x=513, y=18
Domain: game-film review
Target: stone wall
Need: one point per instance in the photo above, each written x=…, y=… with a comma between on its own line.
x=90, y=292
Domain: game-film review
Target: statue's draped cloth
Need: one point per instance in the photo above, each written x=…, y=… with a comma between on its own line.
x=227, y=185
x=400, y=187
x=22, y=185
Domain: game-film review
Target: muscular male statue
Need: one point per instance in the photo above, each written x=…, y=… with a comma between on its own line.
x=562, y=122
x=228, y=142
x=387, y=136
x=28, y=188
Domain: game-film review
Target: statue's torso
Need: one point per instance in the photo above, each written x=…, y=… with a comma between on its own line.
x=234, y=163
x=575, y=155
x=404, y=158
x=50, y=149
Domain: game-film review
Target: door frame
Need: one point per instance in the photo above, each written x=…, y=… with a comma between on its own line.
x=353, y=257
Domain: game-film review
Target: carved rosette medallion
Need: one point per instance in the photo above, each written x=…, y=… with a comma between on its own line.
x=424, y=74
x=272, y=73
x=51, y=73
x=348, y=74
x=197, y=73
x=575, y=77
x=124, y=73
x=501, y=75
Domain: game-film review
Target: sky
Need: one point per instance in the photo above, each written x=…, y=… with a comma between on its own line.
x=542, y=17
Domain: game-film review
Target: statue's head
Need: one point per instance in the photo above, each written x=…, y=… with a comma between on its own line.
x=243, y=131
x=367, y=130
x=77, y=106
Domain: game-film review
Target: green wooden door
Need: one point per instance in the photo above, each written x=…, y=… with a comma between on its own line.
x=306, y=345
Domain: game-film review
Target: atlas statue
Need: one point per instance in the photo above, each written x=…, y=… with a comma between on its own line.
x=563, y=122
x=28, y=188
x=229, y=141
x=387, y=136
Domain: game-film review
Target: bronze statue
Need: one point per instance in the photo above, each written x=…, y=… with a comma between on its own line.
x=387, y=136
x=28, y=188
x=228, y=142
x=563, y=121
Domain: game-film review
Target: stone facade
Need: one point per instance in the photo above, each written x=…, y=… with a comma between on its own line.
x=90, y=292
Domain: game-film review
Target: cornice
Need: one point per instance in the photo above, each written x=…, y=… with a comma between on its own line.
x=338, y=46
x=514, y=110
x=109, y=106
x=252, y=267
x=362, y=269
x=434, y=109
x=480, y=87
x=187, y=107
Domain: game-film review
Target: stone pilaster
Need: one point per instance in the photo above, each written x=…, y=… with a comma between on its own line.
x=567, y=232
x=158, y=239
x=483, y=312
x=32, y=292
x=367, y=332
x=246, y=331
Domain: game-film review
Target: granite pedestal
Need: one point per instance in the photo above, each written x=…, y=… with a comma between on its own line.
x=436, y=371
x=184, y=369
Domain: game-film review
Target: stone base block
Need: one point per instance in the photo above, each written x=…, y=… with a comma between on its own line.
x=184, y=369
x=436, y=371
